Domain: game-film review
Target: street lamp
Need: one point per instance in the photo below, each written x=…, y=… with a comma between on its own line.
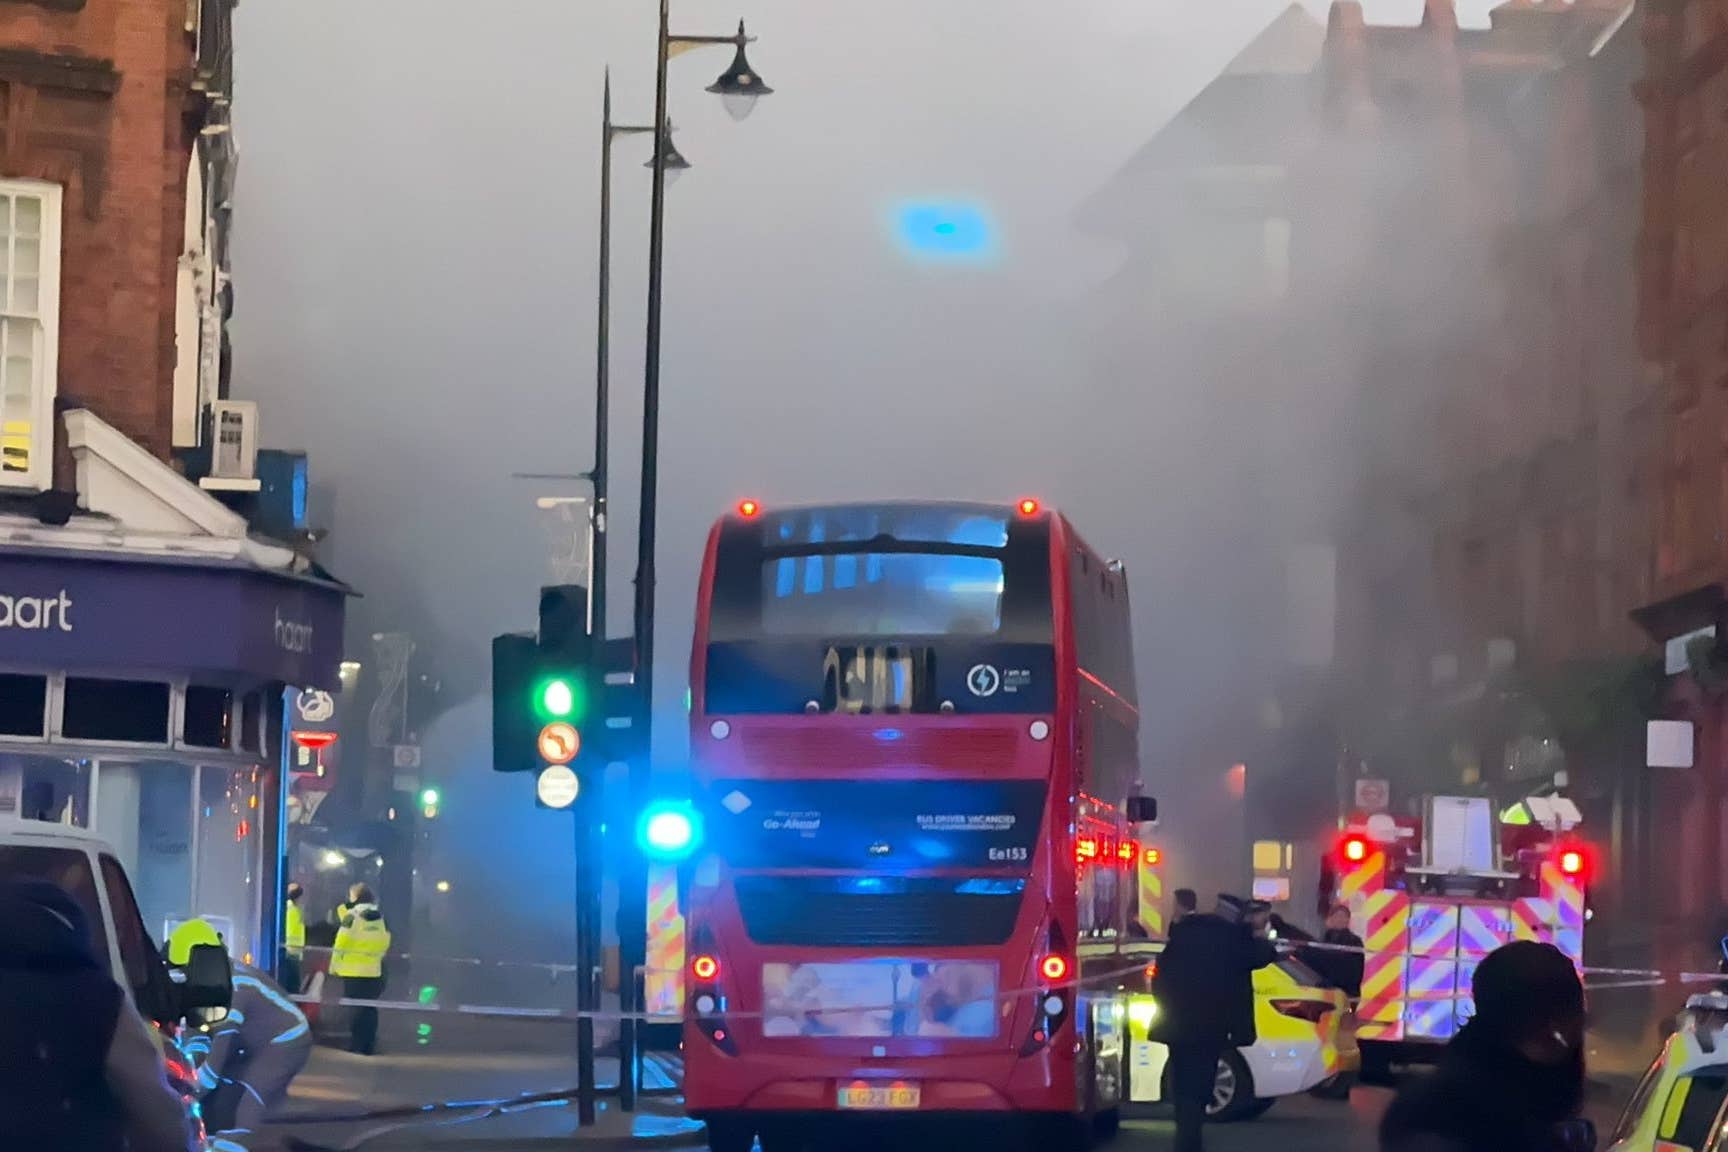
x=739, y=86
x=744, y=84
x=675, y=162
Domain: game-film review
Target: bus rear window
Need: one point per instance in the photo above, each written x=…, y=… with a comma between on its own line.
x=905, y=523
x=882, y=594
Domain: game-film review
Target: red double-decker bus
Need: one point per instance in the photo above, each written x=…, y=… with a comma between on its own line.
x=914, y=736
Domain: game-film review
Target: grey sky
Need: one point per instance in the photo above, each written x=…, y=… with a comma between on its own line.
x=414, y=264
x=415, y=251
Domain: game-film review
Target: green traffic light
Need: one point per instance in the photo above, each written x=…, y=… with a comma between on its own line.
x=429, y=798
x=558, y=698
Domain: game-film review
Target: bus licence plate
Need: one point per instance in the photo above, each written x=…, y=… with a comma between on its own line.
x=878, y=1097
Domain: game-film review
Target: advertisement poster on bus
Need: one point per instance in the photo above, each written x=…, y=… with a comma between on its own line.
x=881, y=823
x=880, y=999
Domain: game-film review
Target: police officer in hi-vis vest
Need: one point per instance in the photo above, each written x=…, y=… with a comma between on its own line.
x=362, y=941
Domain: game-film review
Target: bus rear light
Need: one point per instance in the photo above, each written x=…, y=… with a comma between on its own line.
x=708, y=1001
x=1054, y=969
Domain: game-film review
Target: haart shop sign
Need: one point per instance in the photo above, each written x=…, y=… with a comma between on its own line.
x=77, y=613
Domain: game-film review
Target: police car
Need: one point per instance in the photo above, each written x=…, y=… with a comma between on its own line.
x=1681, y=1105
x=1306, y=1041
x=83, y=866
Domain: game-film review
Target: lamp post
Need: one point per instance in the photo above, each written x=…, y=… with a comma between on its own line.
x=739, y=85
x=603, y=339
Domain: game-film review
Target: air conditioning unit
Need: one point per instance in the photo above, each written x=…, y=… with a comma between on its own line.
x=233, y=440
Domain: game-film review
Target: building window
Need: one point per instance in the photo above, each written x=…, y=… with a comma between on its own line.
x=29, y=330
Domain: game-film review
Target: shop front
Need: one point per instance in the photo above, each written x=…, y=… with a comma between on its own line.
x=142, y=695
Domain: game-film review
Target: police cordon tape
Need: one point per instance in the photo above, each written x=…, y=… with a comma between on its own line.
x=510, y=1012
x=1624, y=978
x=471, y=961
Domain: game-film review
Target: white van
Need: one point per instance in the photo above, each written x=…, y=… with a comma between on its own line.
x=83, y=866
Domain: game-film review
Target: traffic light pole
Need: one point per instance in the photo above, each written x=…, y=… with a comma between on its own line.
x=587, y=933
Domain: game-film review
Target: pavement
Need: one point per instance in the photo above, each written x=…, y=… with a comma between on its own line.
x=457, y=1099
x=454, y=1100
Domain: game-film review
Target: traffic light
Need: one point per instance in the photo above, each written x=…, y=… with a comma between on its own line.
x=558, y=697
x=540, y=692
x=561, y=694
x=430, y=799
x=515, y=665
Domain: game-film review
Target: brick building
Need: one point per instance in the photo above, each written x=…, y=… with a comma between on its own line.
x=159, y=607
x=1501, y=526
x=1683, y=328
x=1450, y=216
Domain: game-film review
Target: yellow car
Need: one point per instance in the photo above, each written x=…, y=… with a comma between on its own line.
x=1681, y=1105
x=1307, y=1041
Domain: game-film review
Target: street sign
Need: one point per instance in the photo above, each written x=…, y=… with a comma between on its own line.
x=406, y=756
x=559, y=743
x=1373, y=795
x=557, y=786
x=315, y=706
x=1668, y=744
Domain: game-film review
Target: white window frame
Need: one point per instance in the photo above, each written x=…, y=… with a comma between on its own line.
x=40, y=475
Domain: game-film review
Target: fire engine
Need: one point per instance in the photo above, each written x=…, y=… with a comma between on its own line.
x=1431, y=896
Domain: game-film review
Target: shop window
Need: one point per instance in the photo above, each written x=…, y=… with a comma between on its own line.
x=209, y=713
x=144, y=809
x=121, y=711
x=23, y=705
x=49, y=788
x=230, y=854
x=29, y=330
x=190, y=837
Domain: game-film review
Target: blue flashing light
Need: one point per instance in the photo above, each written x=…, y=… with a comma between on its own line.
x=945, y=232
x=669, y=831
x=889, y=735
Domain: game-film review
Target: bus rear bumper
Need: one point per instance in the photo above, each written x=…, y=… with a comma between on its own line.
x=806, y=1084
